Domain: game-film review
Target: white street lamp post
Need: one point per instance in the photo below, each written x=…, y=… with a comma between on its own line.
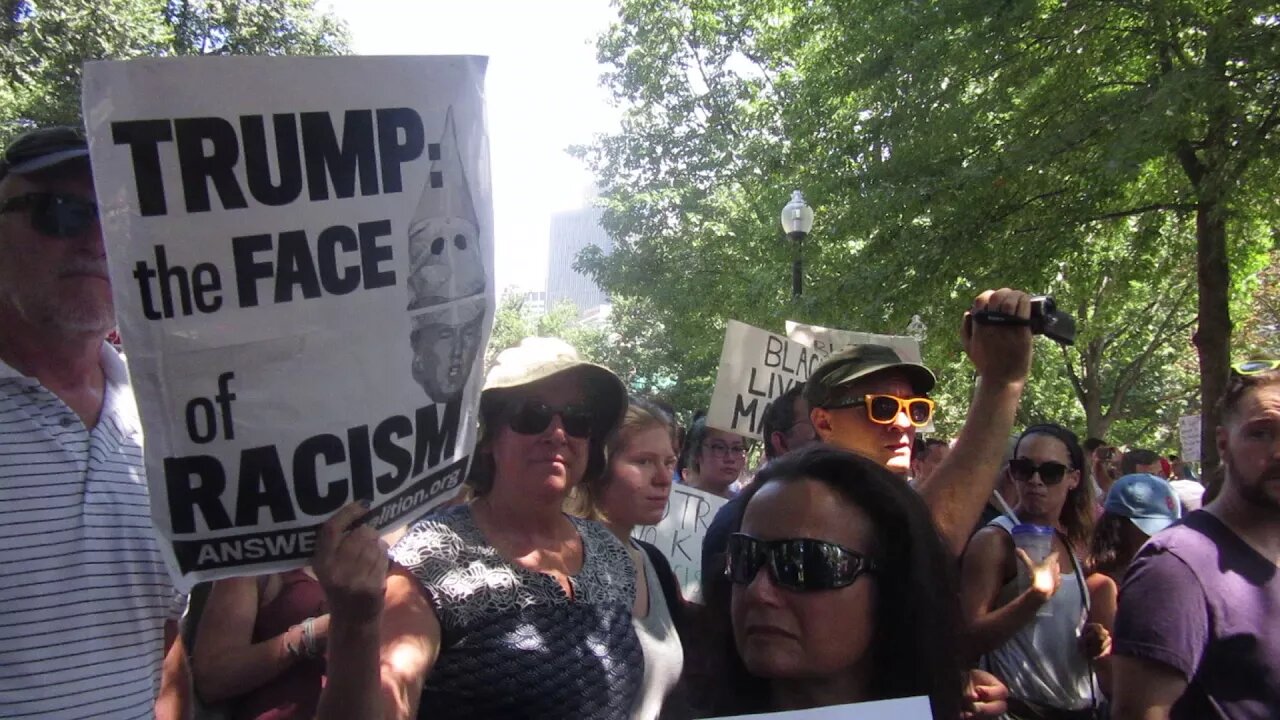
x=797, y=221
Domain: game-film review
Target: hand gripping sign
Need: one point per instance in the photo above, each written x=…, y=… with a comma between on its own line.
x=302, y=260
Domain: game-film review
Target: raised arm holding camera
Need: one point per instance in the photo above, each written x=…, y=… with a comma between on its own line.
x=957, y=490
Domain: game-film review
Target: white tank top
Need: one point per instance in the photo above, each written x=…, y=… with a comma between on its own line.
x=1042, y=662
x=663, y=652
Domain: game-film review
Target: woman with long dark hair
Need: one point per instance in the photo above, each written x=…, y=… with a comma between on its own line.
x=842, y=592
x=1029, y=618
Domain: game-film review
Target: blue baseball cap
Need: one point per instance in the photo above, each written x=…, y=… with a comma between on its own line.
x=1147, y=500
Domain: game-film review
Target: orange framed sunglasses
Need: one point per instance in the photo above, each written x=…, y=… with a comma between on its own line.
x=884, y=409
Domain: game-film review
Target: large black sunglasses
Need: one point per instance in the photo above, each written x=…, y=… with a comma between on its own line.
x=1051, y=473
x=54, y=214
x=799, y=564
x=531, y=417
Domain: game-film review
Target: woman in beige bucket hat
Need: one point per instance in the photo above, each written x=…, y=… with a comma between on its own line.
x=504, y=606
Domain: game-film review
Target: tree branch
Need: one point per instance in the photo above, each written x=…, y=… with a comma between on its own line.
x=1071, y=374
x=1129, y=375
x=1113, y=215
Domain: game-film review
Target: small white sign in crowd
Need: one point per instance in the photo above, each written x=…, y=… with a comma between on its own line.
x=680, y=533
x=1189, y=437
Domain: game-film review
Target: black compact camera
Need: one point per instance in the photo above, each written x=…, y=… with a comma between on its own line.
x=1046, y=319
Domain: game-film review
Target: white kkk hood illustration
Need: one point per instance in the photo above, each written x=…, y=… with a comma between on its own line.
x=446, y=275
x=444, y=234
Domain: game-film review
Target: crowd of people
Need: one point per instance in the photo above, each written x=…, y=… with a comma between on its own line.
x=1009, y=572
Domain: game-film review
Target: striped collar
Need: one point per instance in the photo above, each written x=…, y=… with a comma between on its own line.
x=118, y=393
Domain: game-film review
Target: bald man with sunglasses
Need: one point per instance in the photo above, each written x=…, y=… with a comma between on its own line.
x=88, y=615
x=868, y=400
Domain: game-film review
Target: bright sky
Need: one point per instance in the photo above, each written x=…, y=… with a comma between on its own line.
x=542, y=91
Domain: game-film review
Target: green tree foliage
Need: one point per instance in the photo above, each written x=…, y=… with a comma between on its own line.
x=1260, y=336
x=513, y=322
x=1120, y=156
x=43, y=43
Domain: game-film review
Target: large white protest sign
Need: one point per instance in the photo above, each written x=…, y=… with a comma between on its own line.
x=1189, y=437
x=756, y=366
x=830, y=340
x=302, y=261
x=680, y=532
x=913, y=708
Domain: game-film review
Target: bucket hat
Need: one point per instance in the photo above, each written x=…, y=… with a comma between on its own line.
x=536, y=358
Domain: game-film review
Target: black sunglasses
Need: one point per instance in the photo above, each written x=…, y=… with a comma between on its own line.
x=54, y=214
x=1051, y=473
x=530, y=417
x=799, y=564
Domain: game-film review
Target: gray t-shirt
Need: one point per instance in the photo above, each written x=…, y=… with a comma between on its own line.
x=1200, y=600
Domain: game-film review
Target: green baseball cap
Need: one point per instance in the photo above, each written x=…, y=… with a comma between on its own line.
x=857, y=362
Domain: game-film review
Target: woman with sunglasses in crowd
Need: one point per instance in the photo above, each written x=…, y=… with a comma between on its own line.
x=505, y=606
x=842, y=592
x=714, y=459
x=1029, y=620
x=634, y=491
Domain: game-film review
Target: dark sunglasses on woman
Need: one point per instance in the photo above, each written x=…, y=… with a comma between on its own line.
x=54, y=214
x=531, y=417
x=799, y=564
x=1051, y=473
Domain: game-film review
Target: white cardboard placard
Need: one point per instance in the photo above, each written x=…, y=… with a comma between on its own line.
x=302, y=254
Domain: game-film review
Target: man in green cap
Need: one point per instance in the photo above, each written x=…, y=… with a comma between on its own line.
x=868, y=400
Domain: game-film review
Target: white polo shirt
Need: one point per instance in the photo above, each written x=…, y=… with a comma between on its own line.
x=84, y=593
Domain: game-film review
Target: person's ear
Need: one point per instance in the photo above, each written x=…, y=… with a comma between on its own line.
x=778, y=442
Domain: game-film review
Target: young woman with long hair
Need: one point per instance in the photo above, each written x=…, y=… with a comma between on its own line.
x=634, y=490
x=1028, y=619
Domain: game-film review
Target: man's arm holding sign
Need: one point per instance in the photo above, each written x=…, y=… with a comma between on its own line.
x=958, y=489
x=383, y=635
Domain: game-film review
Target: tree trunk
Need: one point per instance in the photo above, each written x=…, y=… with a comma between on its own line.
x=1213, y=337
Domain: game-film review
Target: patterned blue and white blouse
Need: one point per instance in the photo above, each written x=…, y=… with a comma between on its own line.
x=514, y=645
